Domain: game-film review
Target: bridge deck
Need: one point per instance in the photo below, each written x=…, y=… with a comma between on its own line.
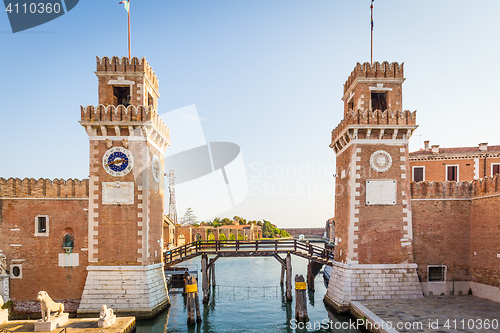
x=255, y=248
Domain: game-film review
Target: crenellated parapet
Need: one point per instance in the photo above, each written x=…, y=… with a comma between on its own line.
x=120, y=121
x=375, y=70
x=129, y=66
x=456, y=190
x=43, y=188
x=380, y=125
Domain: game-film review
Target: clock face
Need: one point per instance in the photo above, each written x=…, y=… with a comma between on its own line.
x=118, y=161
x=156, y=168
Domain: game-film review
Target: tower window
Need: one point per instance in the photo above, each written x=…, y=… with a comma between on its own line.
x=379, y=101
x=121, y=96
x=42, y=225
x=452, y=173
x=151, y=100
x=418, y=173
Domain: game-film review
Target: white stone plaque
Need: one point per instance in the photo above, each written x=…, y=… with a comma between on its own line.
x=117, y=193
x=381, y=192
x=69, y=259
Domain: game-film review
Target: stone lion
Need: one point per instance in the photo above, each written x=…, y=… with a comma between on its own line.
x=105, y=313
x=47, y=305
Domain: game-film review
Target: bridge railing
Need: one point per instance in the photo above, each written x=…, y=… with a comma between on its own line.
x=269, y=245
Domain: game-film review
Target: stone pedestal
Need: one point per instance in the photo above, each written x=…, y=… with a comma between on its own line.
x=4, y=316
x=358, y=282
x=107, y=322
x=140, y=291
x=53, y=323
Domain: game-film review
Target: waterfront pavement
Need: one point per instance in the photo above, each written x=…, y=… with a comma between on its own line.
x=437, y=314
x=84, y=325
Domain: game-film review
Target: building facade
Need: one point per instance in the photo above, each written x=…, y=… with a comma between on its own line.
x=454, y=164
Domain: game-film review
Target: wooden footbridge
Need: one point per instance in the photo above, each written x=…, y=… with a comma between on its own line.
x=317, y=256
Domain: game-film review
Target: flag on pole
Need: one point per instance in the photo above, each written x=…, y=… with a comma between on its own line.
x=371, y=7
x=126, y=3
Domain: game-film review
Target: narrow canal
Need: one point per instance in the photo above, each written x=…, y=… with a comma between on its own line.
x=248, y=298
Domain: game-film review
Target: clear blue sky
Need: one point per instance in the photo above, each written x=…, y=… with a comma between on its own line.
x=266, y=75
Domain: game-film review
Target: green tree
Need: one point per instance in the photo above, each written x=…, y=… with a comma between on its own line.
x=189, y=217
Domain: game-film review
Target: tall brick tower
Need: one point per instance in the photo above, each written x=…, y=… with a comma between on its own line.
x=373, y=230
x=126, y=189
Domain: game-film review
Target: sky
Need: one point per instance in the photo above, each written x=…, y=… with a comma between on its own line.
x=265, y=75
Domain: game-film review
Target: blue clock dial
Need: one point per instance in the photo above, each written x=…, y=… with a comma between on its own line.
x=118, y=161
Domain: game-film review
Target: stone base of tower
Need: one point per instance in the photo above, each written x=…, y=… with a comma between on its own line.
x=358, y=282
x=139, y=291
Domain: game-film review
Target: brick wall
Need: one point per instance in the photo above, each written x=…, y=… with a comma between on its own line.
x=39, y=255
x=457, y=224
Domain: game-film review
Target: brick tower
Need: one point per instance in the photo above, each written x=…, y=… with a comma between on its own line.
x=373, y=230
x=126, y=189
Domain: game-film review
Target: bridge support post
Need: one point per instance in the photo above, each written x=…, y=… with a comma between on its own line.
x=288, y=262
x=283, y=270
x=300, y=299
x=310, y=276
x=204, y=275
x=212, y=272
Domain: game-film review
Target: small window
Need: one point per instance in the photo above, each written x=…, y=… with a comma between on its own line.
x=350, y=105
x=42, y=225
x=151, y=100
x=495, y=169
x=121, y=96
x=379, y=101
x=16, y=271
x=418, y=173
x=436, y=273
x=452, y=173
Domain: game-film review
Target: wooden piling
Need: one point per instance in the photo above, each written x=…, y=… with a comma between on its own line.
x=282, y=274
x=193, y=301
x=300, y=299
x=204, y=274
x=212, y=271
x=288, y=262
x=310, y=276
x=185, y=282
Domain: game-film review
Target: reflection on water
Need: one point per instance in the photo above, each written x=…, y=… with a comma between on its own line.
x=247, y=298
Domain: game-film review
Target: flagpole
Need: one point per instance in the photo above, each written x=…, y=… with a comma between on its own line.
x=371, y=47
x=129, y=57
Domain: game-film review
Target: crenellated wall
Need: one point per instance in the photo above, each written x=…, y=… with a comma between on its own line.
x=377, y=117
x=375, y=70
x=126, y=65
x=457, y=224
x=43, y=188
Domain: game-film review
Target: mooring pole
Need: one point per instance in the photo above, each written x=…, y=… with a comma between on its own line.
x=193, y=302
x=300, y=299
x=283, y=270
x=288, y=262
x=204, y=274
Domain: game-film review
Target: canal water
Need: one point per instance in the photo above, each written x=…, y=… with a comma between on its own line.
x=248, y=298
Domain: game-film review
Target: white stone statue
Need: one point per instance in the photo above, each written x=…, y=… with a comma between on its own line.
x=47, y=306
x=3, y=264
x=106, y=317
x=105, y=312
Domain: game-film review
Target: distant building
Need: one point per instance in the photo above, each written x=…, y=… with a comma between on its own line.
x=454, y=164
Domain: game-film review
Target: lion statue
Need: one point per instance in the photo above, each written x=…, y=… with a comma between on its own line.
x=105, y=312
x=47, y=305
